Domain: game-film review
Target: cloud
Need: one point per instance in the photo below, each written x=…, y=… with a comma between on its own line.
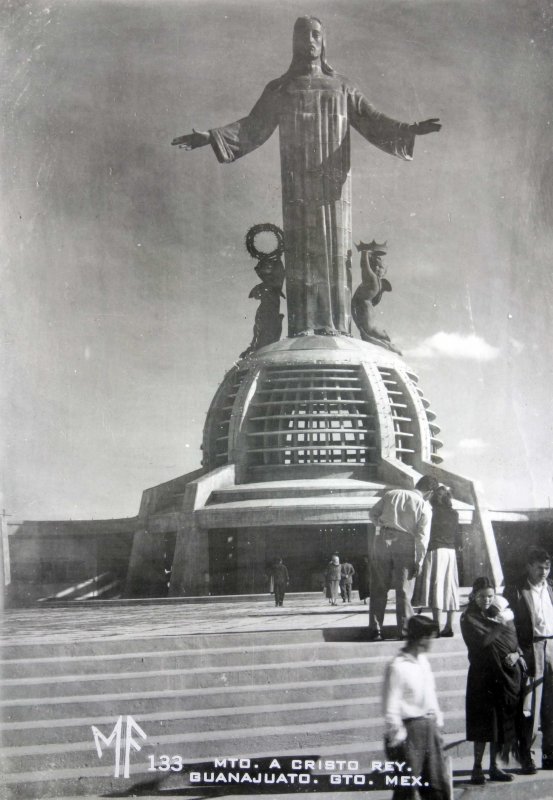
x=473, y=444
x=455, y=345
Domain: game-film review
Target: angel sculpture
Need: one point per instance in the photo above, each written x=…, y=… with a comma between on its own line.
x=268, y=319
x=369, y=294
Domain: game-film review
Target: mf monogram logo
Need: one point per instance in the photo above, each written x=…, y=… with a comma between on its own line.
x=122, y=740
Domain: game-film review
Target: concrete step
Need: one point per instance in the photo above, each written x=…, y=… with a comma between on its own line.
x=132, y=702
x=77, y=630
x=86, y=640
x=353, y=716
x=205, y=677
x=281, y=489
x=255, y=711
x=98, y=780
x=170, y=654
x=304, y=736
x=41, y=710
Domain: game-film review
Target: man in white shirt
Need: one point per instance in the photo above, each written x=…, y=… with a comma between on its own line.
x=532, y=604
x=412, y=715
x=400, y=544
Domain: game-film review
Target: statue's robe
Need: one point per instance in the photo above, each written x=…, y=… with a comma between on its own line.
x=314, y=114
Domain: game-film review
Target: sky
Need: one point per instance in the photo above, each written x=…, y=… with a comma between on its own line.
x=124, y=273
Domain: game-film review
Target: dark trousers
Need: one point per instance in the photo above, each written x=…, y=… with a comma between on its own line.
x=279, y=594
x=541, y=688
x=424, y=755
x=345, y=589
x=391, y=567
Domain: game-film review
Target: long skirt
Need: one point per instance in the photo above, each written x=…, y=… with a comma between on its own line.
x=438, y=584
x=332, y=590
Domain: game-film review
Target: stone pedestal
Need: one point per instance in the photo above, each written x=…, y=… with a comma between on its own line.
x=301, y=439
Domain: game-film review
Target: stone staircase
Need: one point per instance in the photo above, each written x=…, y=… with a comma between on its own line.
x=255, y=694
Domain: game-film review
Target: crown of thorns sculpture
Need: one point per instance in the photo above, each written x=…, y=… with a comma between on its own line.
x=264, y=227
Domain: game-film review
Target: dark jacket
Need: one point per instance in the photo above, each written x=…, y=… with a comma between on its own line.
x=347, y=573
x=279, y=574
x=519, y=598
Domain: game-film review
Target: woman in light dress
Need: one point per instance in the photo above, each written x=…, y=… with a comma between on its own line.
x=437, y=586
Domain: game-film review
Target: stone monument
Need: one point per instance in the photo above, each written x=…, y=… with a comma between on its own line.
x=314, y=109
x=305, y=433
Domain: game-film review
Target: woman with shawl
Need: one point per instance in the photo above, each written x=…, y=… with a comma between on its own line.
x=495, y=678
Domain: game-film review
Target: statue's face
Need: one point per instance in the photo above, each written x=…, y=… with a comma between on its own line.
x=377, y=265
x=271, y=272
x=308, y=39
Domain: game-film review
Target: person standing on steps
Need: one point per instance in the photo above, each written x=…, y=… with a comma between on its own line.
x=437, y=586
x=532, y=602
x=281, y=579
x=403, y=517
x=494, y=681
x=413, y=717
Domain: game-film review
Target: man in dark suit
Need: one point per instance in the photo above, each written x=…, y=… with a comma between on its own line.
x=532, y=602
x=346, y=580
x=281, y=579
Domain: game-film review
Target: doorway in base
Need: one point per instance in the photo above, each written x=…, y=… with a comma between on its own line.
x=240, y=560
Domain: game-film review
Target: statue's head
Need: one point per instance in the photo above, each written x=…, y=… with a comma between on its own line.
x=376, y=251
x=308, y=44
x=271, y=271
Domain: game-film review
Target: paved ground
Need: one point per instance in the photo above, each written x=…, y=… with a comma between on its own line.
x=52, y=623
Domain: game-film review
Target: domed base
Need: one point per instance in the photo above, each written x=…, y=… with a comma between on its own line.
x=319, y=349
x=310, y=402
x=284, y=419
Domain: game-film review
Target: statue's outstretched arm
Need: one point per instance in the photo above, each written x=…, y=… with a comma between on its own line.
x=239, y=138
x=426, y=126
x=192, y=140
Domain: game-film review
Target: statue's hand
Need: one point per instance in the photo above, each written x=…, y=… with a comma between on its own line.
x=427, y=126
x=192, y=140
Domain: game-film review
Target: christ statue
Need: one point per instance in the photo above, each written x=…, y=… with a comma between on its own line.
x=314, y=108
